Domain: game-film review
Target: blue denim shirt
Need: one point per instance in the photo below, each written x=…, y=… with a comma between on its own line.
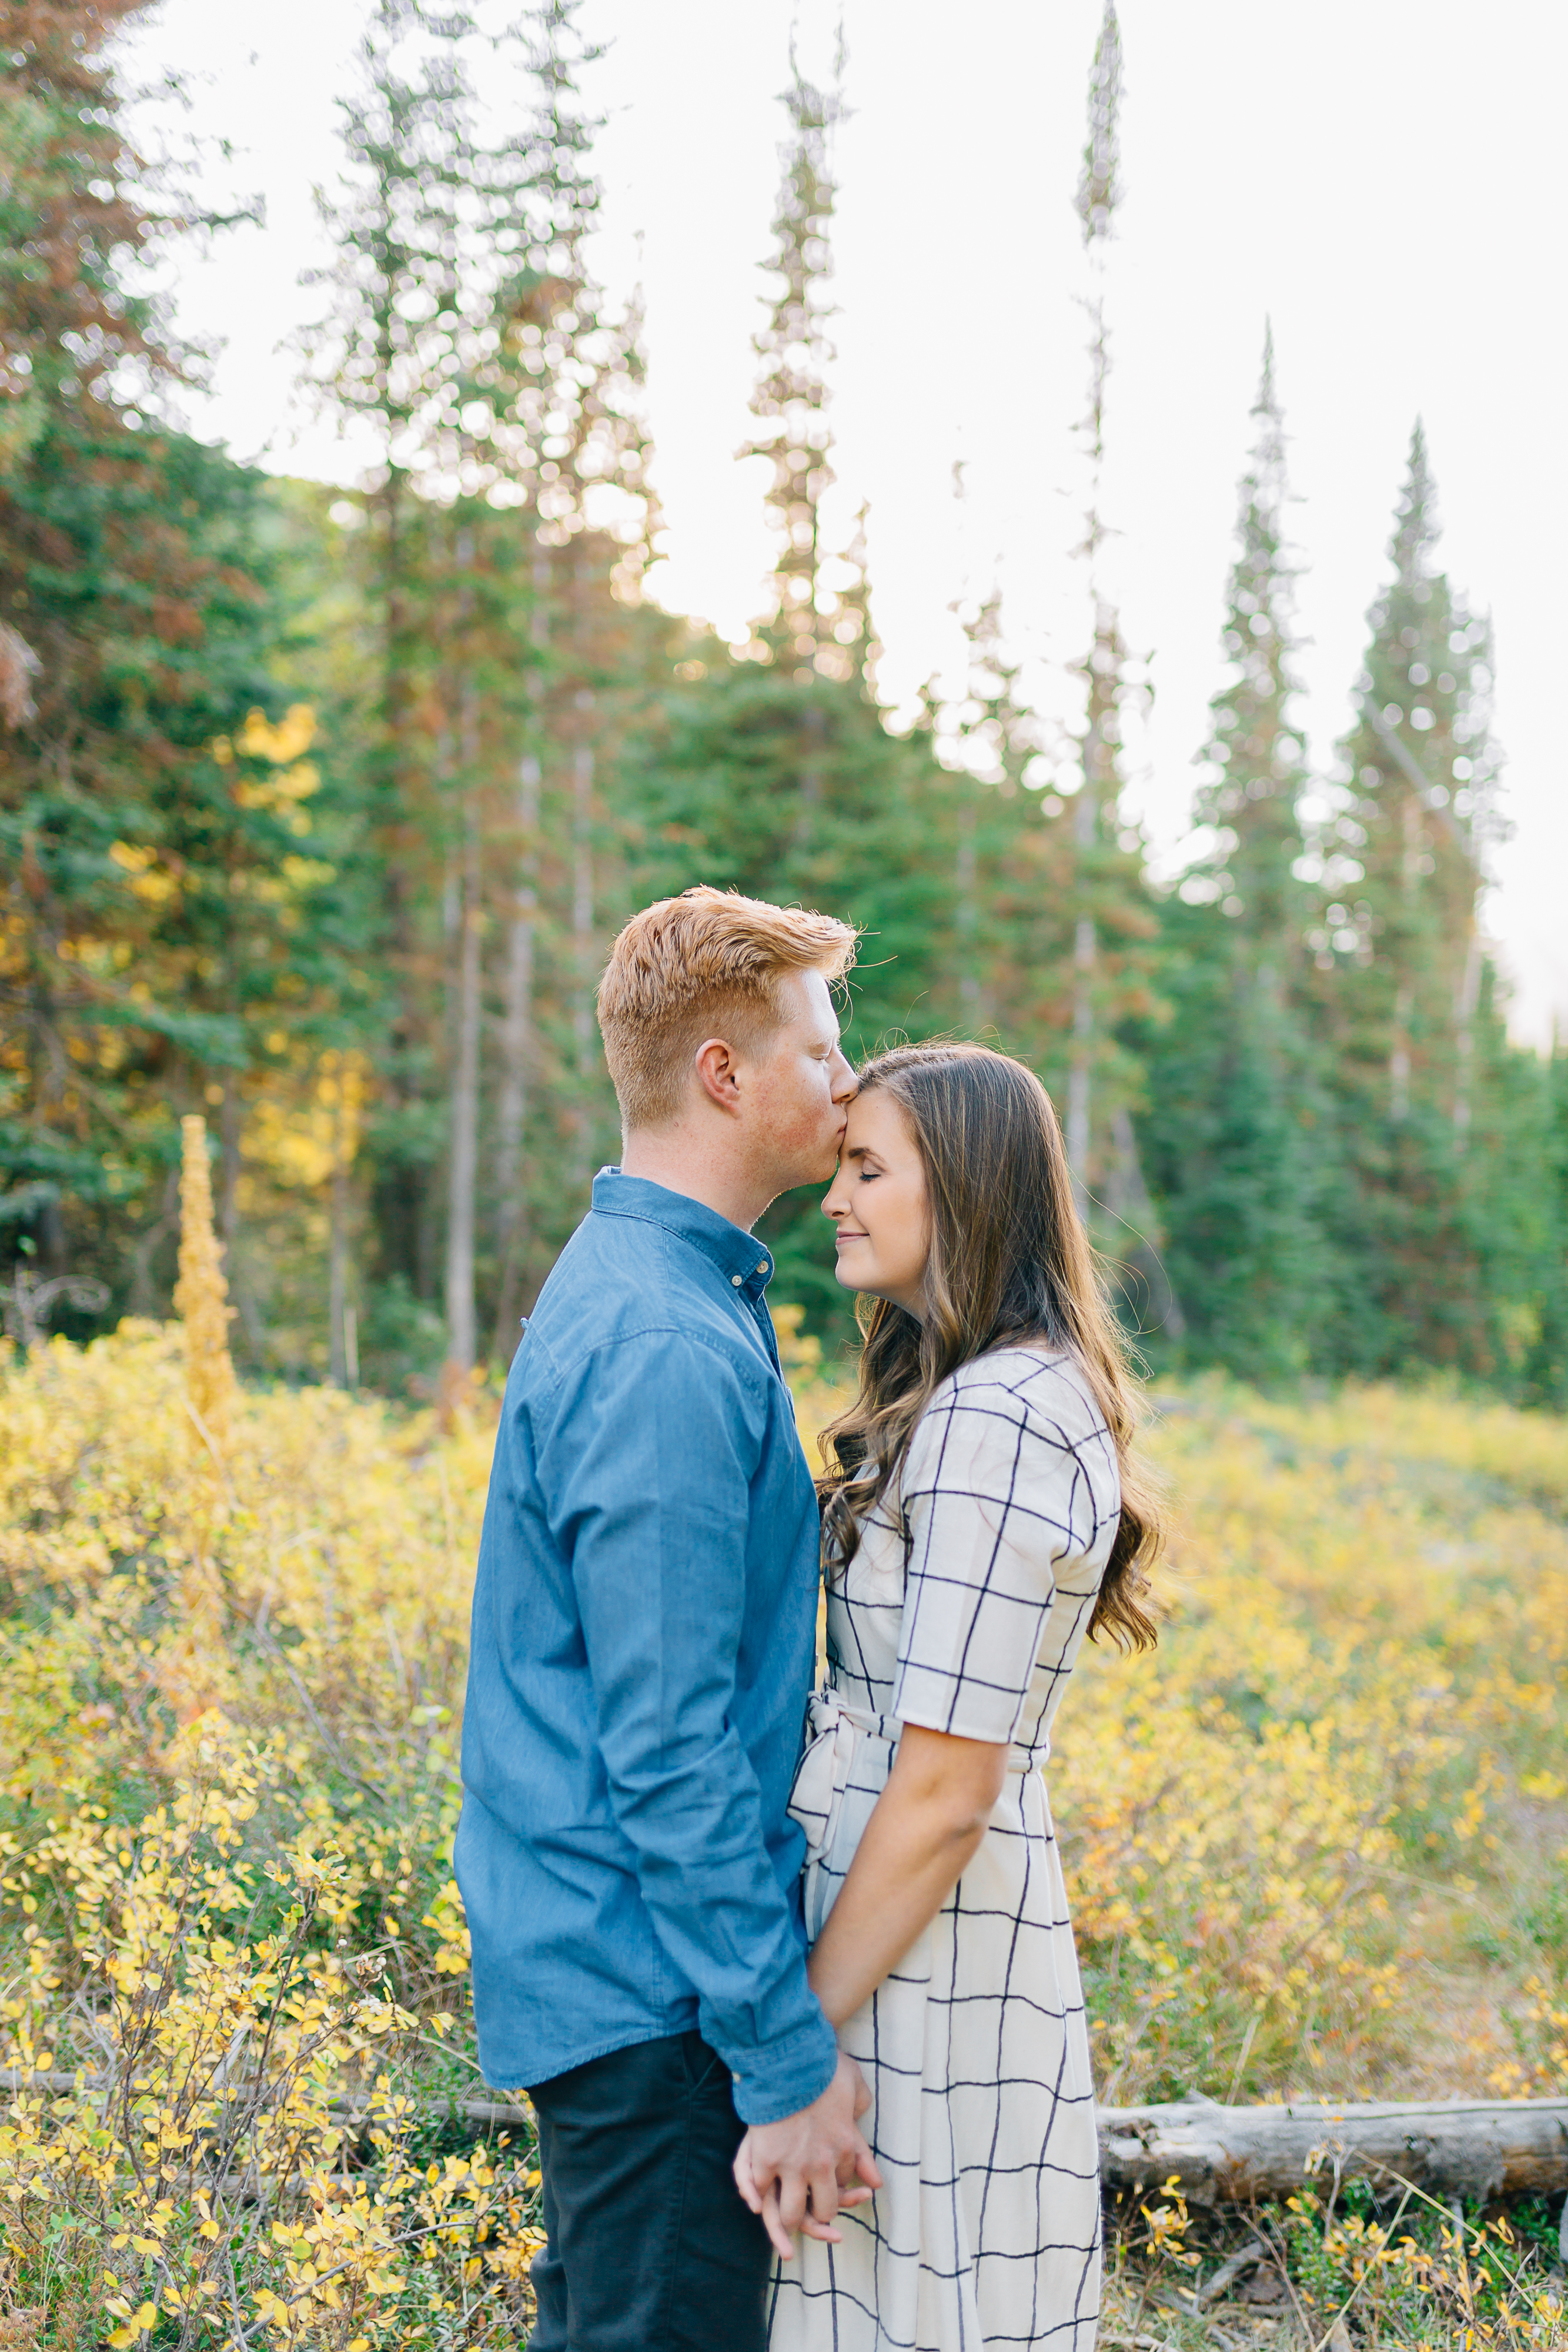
x=643, y=1647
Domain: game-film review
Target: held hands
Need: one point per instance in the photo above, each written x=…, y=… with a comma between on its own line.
x=798, y=2173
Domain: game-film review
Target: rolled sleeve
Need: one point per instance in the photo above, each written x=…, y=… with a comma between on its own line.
x=648, y=1468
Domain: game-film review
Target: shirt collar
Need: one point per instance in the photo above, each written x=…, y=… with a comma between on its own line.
x=745, y=1263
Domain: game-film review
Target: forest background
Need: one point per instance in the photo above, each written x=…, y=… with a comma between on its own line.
x=319, y=809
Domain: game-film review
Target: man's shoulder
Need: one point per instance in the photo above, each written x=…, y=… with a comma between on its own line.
x=624, y=1282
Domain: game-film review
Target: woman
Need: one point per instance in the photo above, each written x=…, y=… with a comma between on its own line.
x=982, y=1514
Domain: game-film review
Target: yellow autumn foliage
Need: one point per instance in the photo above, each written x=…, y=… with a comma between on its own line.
x=1317, y=1841
x=202, y=1294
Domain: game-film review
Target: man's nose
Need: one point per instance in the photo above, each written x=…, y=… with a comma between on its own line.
x=846, y=1086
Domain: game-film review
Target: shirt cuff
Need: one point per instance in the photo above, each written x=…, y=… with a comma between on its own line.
x=783, y=2077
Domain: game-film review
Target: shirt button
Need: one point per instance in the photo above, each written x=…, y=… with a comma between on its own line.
x=763, y=1267
x=737, y=1279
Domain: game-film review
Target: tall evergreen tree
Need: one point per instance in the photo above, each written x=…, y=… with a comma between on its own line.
x=467, y=326
x=591, y=512
x=1422, y=807
x=775, y=774
x=1403, y=985
x=819, y=623
x=1104, y=959
x=414, y=221
x=1545, y=1367
x=994, y=738
x=165, y=919
x=1235, y=1126
x=1255, y=761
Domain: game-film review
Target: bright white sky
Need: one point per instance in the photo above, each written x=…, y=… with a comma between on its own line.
x=1386, y=180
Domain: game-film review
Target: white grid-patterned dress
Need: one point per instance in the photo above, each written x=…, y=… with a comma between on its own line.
x=963, y=1609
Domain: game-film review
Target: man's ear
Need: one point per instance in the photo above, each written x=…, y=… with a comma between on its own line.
x=717, y=1072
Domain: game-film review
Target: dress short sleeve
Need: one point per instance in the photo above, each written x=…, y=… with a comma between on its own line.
x=999, y=1492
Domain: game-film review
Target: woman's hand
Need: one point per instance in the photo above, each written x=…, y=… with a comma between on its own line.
x=924, y=1831
x=785, y=2190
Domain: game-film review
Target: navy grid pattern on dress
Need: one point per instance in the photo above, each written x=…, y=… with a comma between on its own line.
x=963, y=1611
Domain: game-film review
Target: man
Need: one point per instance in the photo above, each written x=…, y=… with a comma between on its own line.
x=642, y=1645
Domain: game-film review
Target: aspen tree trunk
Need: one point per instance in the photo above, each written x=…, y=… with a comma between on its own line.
x=517, y=1039
x=1097, y=197
x=1127, y=1196
x=969, y=990
x=516, y=1057
x=465, y=1149
x=583, y=897
x=229, y=1118
x=1465, y=1038
x=1399, y=1055
x=582, y=945
x=815, y=725
x=1405, y=996
x=338, y=1265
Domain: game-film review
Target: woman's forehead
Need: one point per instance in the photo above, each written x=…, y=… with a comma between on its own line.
x=876, y=1122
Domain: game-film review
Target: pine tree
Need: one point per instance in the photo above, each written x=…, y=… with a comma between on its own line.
x=1101, y=890
x=1235, y=1126
x=1402, y=973
x=1254, y=759
x=1004, y=965
x=1545, y=1369
x=165, y=919
x=466, y=324
x=994, y=738
x=775, y=774
x=393, y=351
x=820, y=622
x=1421, y=810
x=592, y=517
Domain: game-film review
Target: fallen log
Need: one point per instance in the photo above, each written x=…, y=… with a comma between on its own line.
x=1215, y=2154
x=1452, y=2148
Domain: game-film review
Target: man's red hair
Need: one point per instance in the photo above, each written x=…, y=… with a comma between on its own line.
x=707, y=964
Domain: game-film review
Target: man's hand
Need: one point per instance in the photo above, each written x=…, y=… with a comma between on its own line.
x=797, y=2173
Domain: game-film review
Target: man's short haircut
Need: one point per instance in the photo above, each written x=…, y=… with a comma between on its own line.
x=707, y=964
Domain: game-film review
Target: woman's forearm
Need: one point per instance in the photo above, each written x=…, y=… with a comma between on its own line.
x=924, y=1829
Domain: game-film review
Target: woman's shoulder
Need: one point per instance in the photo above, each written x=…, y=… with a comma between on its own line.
x=1035, y=1395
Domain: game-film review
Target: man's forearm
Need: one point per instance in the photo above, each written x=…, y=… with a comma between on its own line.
x=714, y=1897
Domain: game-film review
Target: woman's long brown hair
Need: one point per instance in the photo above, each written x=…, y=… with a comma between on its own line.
x=1010, y=1265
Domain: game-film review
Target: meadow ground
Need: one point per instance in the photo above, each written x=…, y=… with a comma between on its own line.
x=1317, y=1843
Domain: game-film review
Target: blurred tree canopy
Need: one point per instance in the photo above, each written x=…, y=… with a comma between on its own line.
x=317, y=811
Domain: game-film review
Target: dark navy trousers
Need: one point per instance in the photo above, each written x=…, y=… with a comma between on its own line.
x=650, y=2247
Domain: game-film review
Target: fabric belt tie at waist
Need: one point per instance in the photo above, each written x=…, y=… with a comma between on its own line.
x=816, y=1796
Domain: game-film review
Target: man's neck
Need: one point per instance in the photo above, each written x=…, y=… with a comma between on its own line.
x=677, y=1161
